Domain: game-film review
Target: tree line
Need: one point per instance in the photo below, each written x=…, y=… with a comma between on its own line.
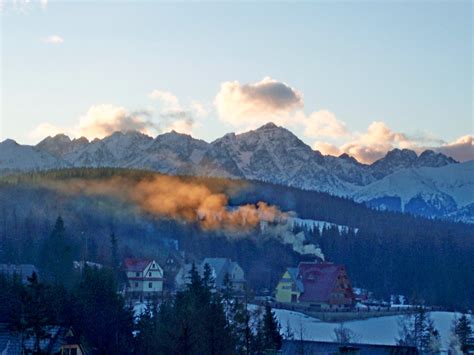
x=417, y=257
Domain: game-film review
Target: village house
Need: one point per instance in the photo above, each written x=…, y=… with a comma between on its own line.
x=220, y=267
x=22, y=271
x=58, y=341
x=318, y=284
x=144, y=279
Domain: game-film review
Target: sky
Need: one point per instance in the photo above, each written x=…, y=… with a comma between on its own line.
x=346, y=77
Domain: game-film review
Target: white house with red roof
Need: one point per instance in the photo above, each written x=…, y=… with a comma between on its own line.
x=144, y=278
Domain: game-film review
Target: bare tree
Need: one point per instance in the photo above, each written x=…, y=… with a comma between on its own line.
x=345, y=335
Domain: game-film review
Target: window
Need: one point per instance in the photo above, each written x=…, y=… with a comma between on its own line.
x=70, y=351
x=137, y=274
x=150, y=285
x=149, y=274
x=136, y=284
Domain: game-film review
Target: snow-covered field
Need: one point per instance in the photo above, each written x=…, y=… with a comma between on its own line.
x=377, y=330
x=381, y=330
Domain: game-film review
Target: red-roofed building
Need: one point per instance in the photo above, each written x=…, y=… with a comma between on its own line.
x=324, y=285
x=144, y=278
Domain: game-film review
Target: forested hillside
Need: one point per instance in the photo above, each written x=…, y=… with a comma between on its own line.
x=390, y=253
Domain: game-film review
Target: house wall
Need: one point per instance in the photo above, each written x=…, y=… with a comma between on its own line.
x=148, y=280
x=286, y=288
x=69, y=349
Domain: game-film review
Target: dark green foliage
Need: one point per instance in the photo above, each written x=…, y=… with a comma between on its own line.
x=405, y=250
x=463, y=330
x=100, y=314
x=270, y=330
x=35, y=313
x=195, y=321
x=418, y=330
x=56, y=256
x=114, y=253
x=200, y=321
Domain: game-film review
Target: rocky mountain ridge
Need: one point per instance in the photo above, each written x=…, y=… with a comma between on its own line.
x=269, y=153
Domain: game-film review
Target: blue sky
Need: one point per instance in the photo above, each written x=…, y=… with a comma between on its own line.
x=408, y=65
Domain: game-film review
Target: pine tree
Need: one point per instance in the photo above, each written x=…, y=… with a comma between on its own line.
x=463, y=330
x=114, y=253
x=36, y=313
x=418, y=330
x=56, y=255
x=100, y=314
x=207, y=279
x=272, y=338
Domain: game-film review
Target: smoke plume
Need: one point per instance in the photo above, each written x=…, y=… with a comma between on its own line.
x=186, y=200
x=176, y=198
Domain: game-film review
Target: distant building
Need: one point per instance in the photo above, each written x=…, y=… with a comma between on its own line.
x=330, y=348
x=220, y=267
x=173, y=263
x=324, y=285
x=144, y=278
x=60, y=341
x=23, y=271
x=80, y=265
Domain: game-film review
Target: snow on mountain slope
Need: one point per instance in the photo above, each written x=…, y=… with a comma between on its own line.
x=112, y=151
x=15, y=157
x=270, y=153
x=171, y=153
x=312, y=223
x=398, y=159
x=60, y=145
x=274, y=154
x=443, y=189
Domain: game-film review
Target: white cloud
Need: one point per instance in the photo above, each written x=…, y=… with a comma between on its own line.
x=103, y=120
x=462, y=149
x=47, y=129
x=166, y=98
x=379, y=138
x=198, y=109
x=369, y=146
x=327, y=148
x=250, y=105
x=324, y=124
x=54, y=39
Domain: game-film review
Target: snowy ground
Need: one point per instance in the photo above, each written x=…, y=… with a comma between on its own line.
x=381, y=330
x=378, y=330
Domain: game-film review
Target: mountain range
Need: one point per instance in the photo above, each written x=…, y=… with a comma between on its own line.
x=430, y=184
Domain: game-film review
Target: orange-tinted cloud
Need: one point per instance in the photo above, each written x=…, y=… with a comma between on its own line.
x=254, y=104
x=461, y=149
x=379, y=138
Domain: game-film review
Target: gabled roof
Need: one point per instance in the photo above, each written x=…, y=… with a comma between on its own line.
x=293, y=271
x=10, y=342
x=319, y=280
x=135, y=265
x=221, y=267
